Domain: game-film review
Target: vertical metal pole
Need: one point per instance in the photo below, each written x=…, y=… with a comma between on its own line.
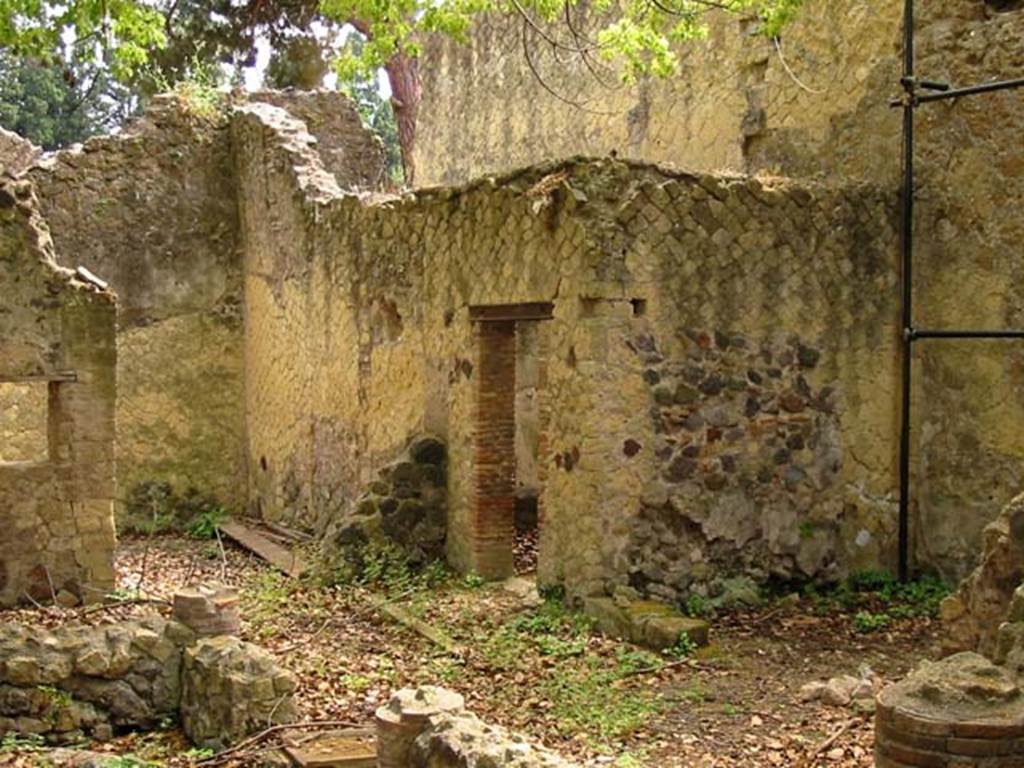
x=907, y=318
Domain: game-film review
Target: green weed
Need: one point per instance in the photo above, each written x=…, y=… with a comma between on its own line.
x=866, y=621
x=205, y=524
x=684, y=647
x=21, y=742
x=590, y=698
x=696, y=606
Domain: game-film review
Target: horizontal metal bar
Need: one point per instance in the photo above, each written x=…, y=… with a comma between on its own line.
x=914, y=334
x=916, y=98
x=970, y=90
x=43, y=377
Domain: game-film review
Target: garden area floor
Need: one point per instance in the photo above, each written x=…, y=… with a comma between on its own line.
x=534, y=667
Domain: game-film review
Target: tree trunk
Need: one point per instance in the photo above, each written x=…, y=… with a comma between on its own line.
x=404, y=77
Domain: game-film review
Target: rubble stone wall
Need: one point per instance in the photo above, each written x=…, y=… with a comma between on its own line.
x=720, y=360
x=813, y=105
x=56, y=495
x=105, y=679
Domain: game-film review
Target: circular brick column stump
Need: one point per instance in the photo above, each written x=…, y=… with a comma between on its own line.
x=405, y=717
x=208, y=609
x=961, y=712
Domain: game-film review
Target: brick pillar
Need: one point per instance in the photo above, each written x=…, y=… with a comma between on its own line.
x=492, y=531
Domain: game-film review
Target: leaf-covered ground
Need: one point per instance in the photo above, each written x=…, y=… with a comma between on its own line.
x=537, y=668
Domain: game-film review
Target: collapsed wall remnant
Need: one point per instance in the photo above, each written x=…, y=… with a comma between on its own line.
x=57, y=394
x=230, y=689
x=428, y=727
x=153, y=211
x=99, y=680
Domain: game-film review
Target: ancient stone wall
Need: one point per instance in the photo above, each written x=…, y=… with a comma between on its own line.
x=57, y=488
x=152, y=211
x=691, y=435
x=970, y=395
x=813, y=105
x=350, y=152
x=89, y=680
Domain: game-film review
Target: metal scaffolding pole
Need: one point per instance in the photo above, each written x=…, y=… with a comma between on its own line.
x=915, y=93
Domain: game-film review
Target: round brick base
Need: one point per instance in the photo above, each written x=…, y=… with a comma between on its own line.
x=957, y=713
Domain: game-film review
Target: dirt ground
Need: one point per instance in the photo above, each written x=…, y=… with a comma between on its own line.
x=536, y=667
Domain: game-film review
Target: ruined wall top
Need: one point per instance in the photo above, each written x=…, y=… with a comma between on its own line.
x=348, y=150
x=16, y=153
x=33, y=285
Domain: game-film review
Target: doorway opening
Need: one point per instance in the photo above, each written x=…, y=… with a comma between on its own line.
x=509, y=439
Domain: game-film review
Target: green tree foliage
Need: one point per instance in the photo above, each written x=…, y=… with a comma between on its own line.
x=641, y=35
x=56, y=105
x=120, y=33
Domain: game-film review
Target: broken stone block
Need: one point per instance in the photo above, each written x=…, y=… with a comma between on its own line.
x=811, y=691
x=644, y=622
x=428, y=450
x=405, y=717
x=461, y=740
x=840, y=691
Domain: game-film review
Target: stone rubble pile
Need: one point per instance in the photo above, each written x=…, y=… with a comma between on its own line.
x=405, y=507
x=845, y=691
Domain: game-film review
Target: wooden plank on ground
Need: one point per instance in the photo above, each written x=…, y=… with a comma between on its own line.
x=280, y=557
x=438, y=637
x=334, y=752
